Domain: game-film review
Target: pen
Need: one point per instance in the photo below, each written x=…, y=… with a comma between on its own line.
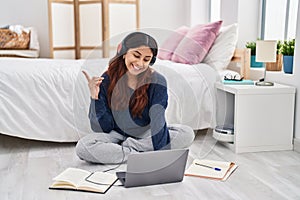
x=214, y=168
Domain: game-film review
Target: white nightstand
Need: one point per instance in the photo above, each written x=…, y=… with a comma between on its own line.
x=262, y=116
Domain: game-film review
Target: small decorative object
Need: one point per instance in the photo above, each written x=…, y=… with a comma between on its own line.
x=287, y=50
x=265, y=52
x=252, y=46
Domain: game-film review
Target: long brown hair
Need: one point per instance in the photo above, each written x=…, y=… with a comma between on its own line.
x=118, y=94
x=119, y=97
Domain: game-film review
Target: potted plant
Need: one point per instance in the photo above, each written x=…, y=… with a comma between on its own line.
x=287, y=50
x=252, y=47
x=276, y=66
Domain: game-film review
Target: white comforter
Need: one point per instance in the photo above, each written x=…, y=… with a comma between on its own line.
x=46, y=99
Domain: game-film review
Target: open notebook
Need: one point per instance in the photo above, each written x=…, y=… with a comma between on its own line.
x=82, y=180
x=217, y=170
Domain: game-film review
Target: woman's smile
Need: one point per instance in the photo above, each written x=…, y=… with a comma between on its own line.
x=136, y=67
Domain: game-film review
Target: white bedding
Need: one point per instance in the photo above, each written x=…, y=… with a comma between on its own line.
x=46, y=99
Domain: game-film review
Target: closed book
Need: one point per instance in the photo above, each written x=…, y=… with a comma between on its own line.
x=235, y=82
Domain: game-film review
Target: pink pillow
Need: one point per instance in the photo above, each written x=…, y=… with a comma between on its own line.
x=193, y=48
x=168, y=47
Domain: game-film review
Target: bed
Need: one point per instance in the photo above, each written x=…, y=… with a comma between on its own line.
x=48, y=99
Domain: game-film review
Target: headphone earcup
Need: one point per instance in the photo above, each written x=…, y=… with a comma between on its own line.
x=121, y=48
x=152, y=60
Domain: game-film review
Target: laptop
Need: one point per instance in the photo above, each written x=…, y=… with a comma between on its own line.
x=154, y=167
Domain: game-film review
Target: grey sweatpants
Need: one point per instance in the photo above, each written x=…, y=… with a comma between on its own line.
x=114, y=148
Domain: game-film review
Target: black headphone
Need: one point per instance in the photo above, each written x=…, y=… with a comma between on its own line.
x=138, y=39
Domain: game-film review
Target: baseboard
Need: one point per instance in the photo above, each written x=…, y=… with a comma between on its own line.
x=297, y=145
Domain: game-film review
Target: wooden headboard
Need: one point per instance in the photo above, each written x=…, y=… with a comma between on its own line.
x=240, y=62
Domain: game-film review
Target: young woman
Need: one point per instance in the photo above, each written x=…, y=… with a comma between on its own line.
x=127, y=110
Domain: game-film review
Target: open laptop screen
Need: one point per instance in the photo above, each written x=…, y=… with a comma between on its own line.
x=155, y=167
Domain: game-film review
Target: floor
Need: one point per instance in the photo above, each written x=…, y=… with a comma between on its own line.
x=27, y=168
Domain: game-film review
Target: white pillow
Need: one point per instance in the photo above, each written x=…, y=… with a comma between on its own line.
x=34, y=42
x=223, y=48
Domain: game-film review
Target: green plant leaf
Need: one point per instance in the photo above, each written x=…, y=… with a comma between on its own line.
x=288, y=47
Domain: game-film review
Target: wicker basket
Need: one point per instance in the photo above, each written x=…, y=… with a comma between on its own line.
x=276, y=66
x=12, y=40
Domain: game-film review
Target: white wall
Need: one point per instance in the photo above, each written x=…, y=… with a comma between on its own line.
x=198, y=12
x=246, y=14
x=229, y=11
x=166, y=14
